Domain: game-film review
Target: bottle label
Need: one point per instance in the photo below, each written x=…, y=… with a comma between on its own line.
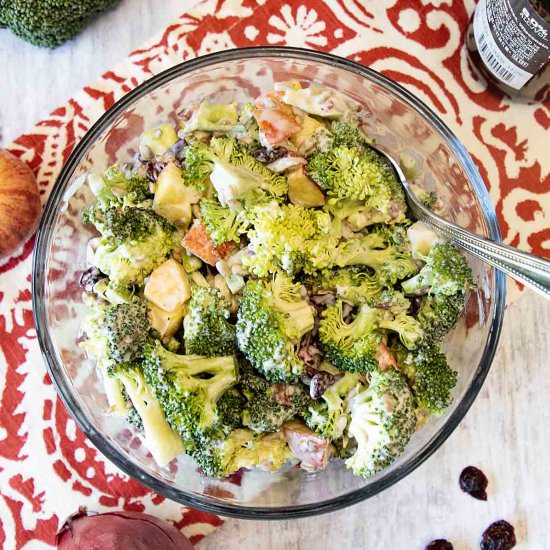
x=512, y=40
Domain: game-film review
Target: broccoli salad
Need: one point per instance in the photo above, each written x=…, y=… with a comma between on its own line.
x=259, y=295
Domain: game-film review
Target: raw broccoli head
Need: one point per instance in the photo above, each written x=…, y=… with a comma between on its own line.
x=382, y=422
x=222, y=224
x=189, y=387
x=241, y=449
x=289, y=238
x=271, y=320
x=268, y=406
x=431, y=377
x=348, y=169
x=328, y=416
x=48, y=24
x=350, y=346
x=134, y=241
x=439, y=313
x=446, y=272
x=207, y=330
x=388, y=262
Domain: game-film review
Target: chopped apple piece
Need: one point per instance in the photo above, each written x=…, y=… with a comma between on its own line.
x=166, y=323
x=173, y=199
x=168, y=286
x=302, y=191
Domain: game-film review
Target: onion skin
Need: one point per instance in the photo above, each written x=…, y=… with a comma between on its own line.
x=19, y=203
x=119, y=530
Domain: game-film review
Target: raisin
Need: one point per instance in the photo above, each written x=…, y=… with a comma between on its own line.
x=153, y=169
x=474, y=482
x=266, y=156
x=500, y=535
x=439, y=544
x=321, y=382
x=89, y=278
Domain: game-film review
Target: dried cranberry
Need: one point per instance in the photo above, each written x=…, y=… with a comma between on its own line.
x=474, y=482
x=500, y=535
x=439, y=544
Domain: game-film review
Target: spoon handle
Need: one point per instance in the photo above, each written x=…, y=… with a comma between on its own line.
x=531, y=270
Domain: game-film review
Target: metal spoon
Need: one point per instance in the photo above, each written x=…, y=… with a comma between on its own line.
x=526, y=268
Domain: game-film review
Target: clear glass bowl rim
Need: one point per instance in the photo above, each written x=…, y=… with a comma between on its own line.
x=39, y=278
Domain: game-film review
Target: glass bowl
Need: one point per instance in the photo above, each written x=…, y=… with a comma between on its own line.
x=402, y=125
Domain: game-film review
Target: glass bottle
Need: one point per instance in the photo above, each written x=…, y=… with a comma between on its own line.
x=509, y=42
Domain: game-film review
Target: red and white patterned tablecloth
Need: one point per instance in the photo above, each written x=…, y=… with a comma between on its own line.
x=47, y=467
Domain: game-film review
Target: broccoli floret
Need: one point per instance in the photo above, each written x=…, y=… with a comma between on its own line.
x=222, y=224
x=349, y=170
x=127, y=329
x=354, y=346
x=97, y=346
x=161, y=440
x=346, y=134
x=409, y=329
x=431, y=378
x=236, y=175
x=382, y=422
x=392, y=235
x=196, y=166
x=288, y=237
x=389, y=263
x=118, y=187
x=356, y=213
x=48, y=24
x=230, y=409
x=242, y=449
x=268, y=406
x=350, y=346
x=438, y=314
x=207, y=330
x=134, y=241
x=116, y=333
x=328, y=416
x=446, y=272
x=353, y=284
x=189, y=387
x=271, y=320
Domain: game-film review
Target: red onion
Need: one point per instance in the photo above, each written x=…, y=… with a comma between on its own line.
x=119, y=531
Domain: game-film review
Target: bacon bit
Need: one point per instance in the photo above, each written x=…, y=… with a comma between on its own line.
x=385, y=357
x=276, y=119
x=198, y=242
x=311, y=449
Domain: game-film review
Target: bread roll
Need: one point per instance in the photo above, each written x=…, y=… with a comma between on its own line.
x=19, y=203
